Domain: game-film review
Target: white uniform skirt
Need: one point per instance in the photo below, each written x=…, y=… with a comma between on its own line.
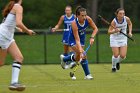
x=4, y=42
x=118, y=43
x=5, y=38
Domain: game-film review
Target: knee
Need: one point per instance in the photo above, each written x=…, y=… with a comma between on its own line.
x=123, y=56
x=19, y=59
x=115, y=56
x=1, y=63
x=84, y=55
x=77, y=56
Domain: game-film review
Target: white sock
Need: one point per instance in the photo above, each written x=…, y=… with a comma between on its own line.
x=114, y=61
x=15, y=72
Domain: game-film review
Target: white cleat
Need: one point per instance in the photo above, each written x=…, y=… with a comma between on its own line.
x=89, y=77
x=63, y=64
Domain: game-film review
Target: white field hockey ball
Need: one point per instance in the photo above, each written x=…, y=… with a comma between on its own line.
x=73, y=78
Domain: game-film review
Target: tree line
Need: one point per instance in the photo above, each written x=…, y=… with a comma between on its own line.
x=41, y=14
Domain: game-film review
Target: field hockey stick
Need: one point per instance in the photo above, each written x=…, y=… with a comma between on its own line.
x=58, y=30
x=77, y=65
x=106, y=22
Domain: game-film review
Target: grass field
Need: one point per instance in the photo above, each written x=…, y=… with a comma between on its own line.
x=53, y=79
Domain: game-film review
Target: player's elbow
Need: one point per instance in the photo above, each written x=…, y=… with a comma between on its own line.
x=19, y=24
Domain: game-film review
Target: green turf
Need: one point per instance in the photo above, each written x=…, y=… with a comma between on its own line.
x=53, y=79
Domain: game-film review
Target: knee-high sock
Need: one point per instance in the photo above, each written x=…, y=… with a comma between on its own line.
x=85, y=67
x=15, y=72
x=114, y=61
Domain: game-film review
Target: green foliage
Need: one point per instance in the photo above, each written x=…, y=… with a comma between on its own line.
x=41, y=14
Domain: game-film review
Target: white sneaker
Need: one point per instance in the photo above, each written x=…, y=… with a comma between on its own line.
x=72, y=65
x=89, y=77
x=63, y=64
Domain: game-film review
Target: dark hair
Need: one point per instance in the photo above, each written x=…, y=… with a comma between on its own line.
x=68, y=6
x=119, y=9
x=8, y=7
x=79, y=9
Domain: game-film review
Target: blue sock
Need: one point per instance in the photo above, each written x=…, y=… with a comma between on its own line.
x=84, y=64
x=68, y=58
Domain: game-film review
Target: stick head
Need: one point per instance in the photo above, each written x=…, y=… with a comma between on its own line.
x=102, y=19
x=99, y=16
x=71, y=74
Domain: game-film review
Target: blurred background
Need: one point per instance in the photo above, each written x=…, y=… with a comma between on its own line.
x=45, y=47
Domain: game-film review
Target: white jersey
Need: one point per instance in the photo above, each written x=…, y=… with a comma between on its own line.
x=123, y=27
x=118, y=39
x=7, y=28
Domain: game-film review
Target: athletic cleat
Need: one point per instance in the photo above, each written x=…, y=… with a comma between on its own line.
x=118, y=66
x=63, y=64
x=17, y=86
x=89, y=77
x=113, y=69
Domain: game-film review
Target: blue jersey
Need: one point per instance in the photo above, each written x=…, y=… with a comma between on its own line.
x=81, y=33
x=67, y=27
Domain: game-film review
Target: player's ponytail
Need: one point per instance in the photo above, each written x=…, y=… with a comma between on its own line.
x=79, y=9
x=8, y=7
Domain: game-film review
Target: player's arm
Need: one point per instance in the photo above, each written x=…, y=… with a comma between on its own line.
x=19, y=29
x=74, y=16
x=129, y=25
x=19, y=13
x=58, y=24
x=94, y=27
x=112, y=28
x=76, y=36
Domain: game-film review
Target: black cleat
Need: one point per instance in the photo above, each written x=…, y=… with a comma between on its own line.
x=113, y=69
x=118, y=66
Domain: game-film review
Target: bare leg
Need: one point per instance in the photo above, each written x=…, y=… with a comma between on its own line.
x=3, y=54
x=123, y=52
x=14, y=51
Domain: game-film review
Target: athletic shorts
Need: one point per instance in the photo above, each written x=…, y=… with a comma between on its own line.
x=65, y=38
x=4, y=42
x=117, y=43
